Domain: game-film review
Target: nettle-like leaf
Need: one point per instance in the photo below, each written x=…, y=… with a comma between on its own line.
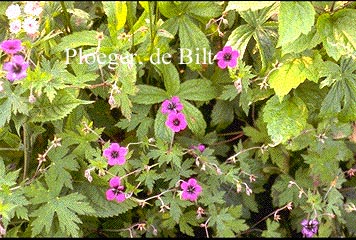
x=285, y=119
x=341, y=99
x=170, y=77
x=294, y=18
x=193, y=42
x=338, y=37
x=195, y=119
x=62, y=105
x=74, y=40
x=197, y=90
x=294, y=72
x=149, y=95
x=303, y=42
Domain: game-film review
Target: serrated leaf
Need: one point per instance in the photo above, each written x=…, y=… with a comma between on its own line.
x=197, y=90
x=149, y=95
x=337, y=36
x=203, y=11
x=271, y=232
x=303, y=42
x=160, y=128
x=96, y=198
x=222, y=114
x=341, y=99
x=195, y=119
x=291, y=74
x=62, y=105
x=74, y=40
x=66, y=209
x=194, y=40
x=240, y=37
x=285, y=119
x=294, y=18
x=170, y=76
x=241, y=6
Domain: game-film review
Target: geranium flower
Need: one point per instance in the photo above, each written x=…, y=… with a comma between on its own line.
x=227, y=57
x=191, y=189
x=30, y=25
x=16, y=68
x=172, y=105
x=310, y=227
x=115, y=192
x=115, y=154
x=15, y=26
x=13, y=11
x=176, y=121
x=11, y=46
x=33, y=8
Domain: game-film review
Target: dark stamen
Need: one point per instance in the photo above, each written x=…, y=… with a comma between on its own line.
x=227, y=56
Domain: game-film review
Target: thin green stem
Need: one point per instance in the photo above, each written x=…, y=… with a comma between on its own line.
x=67, y=17
x=26, y=144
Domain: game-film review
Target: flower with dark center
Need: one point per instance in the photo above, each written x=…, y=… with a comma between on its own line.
x=16, y=68
x=176, y=121
x=116, y=190
x=11, y=46
x=191, y=189
x=115, y=154
x=172, y=105
x=227, y=57
x=310, y=227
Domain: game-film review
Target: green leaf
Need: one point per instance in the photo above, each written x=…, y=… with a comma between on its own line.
x=194, y=40
x=171, y=9
x=194, y=117
x=62, y=105
x=61, y=169
x=160, y=128
x=241, y=6
x=292, y=73
x=74, y=40
x=271, y=232
x=222, y=114
x=341, y=99
x=197, y=90
x=170, y=76
x=294, y=18
x=96, y=197
x=66, y=209
x=149, y=95
x=337, y=36
x=240, y=37
x=303, y=42
x=203, y=11
x=116, y=12
x=285, y=119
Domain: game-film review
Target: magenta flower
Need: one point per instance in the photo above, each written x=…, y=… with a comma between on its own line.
x=310, y=227
x=176, y=121
x=191, y=189
x=200, y=147
x=172, y=105
x=16, y=68
x=227, y=57
x=115, y=191
x=11, y=46
x=115, y=154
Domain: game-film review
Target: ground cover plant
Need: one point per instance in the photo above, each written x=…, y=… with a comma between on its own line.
x=175, y=119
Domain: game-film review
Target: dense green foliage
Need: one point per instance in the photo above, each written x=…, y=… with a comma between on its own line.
x=278, y=128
